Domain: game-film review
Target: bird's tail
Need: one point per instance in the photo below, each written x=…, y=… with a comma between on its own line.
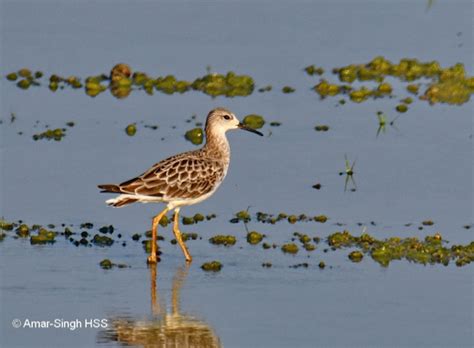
x=121, y=201
x=113, y=188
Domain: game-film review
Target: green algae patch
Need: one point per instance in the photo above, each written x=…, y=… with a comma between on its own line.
x=186, y=220
x=165, y=220
x=225, y=240
x=321, y=128
x=254, y=121
x=313, y=70
x=254, y=237
x=324, y=89
x=401, y=108
x=102, y=241
x=198, y=218
x=360, y=95
x=6, y=226
x=450, y=92
x=189, y=236
x=431, y=250
x=384, y=88
x=288, y=89
x=289, y=248
x=12, y=76
x=131, y=130
x=413, y=88
x=195, y=136
x=51, y=134
x=23, y=231
x=229, y=85
x=265, y=89
x=321, y=265
x=320, y=218
x=43, y=237
x=213, y=266
x=448, y=85
x=242, y=215
x=355, y=256
x=107, y=264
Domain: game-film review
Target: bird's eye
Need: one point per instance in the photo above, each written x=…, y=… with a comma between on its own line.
x=227, y=117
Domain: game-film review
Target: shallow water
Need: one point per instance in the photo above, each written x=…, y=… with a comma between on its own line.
x=421, y=171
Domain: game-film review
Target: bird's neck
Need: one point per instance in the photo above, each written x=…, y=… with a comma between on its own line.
x=217, y=146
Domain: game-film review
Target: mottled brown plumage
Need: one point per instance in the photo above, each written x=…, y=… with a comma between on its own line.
x=184, y=179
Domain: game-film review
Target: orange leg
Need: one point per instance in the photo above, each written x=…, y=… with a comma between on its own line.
x=179, y=238
x=154, y=231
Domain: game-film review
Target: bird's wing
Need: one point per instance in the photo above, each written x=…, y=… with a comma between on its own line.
x=182, y=176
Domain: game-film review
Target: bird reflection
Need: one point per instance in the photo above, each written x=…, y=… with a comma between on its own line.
x=165, y=329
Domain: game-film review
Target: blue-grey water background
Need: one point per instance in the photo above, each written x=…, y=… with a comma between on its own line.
x=422, y=171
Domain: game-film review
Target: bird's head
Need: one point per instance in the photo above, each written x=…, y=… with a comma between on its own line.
x=222, y=120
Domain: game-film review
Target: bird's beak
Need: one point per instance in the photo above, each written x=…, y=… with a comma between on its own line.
x=244, y=127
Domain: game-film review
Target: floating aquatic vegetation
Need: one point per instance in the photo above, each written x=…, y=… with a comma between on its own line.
x=230, y=85
x=43, y=237
x=189, y=236
x=23, y=231
x=321, y=128
x=121, y=82
x=355, y=256
x=431, y=250
x=321, y=265
x=107, y=229
x=317, y=186
x=169, y=85
x=12, y=76
x=254, y=237
x=325, y=89
x=195, y=136
x=51, y=134
x=254, y=121
x=265, y=89
x=267, y=265
x=107, y=264
x=288, y=89
x=213, y=266
x=401, y=108
x=299, y=265
x=413, y=88
x=290, y=248
x=225, y=240
x=102, y=241
x=243, y=215
x=131, y=130
x=120, y=71
x=313, y=70
x=449, y=85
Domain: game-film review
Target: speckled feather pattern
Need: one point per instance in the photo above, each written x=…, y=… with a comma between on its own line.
x=182, y=179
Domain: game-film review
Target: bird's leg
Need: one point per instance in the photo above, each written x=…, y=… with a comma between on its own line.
x=179, y=238
x=154, y=231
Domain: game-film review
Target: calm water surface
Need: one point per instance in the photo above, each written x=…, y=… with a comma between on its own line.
x=421, y=171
